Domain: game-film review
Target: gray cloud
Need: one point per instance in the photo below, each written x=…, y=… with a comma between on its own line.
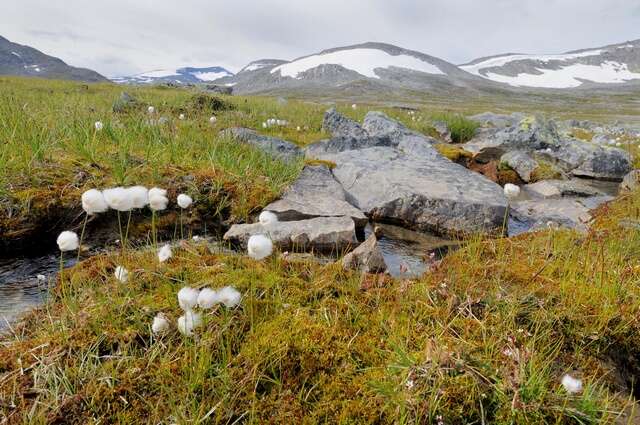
x=119, y=37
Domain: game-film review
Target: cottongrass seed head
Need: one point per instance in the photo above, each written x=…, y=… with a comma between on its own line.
x=207, y=298
x=511, y=191
x=229, y=296
x=213, y=119
x=93, y=202
x=139, y=196
x=571, y=384
x=98, y=125
x=267, y=217
x=188, y=298
x=165, y=253
x=151, y=110
x=160, y=324
x=158, y=200
x=181, y=117
x=184, y=201
x=259, y=247
x=188, y=322
x=121, y=274
x=118, y=198
x=68, y=241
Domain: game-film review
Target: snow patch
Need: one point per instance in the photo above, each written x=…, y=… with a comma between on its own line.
x=363, y=61
x=569, y=76
x=503, y=60
x=255, y=66
x=210, y=76
x=158, y=73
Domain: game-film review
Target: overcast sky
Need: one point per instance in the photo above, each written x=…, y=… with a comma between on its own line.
x=122, y=37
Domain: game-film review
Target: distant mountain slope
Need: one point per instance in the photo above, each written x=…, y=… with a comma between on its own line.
x=16, y=59
x=186, y=75
x=614, y=64
x=364, y=68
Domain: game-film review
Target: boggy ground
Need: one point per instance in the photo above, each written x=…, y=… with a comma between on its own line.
x=484, y=338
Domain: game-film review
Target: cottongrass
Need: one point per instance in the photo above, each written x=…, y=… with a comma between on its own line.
x=511, y=191
x=188, y=322
x=151, y=110
x=571, y=384
x=121, y=274
x=158, y=201
x=93, y=202
x=68, y=241
x=160, y=324
x=181, y=117
x=213, y=120
x=208, y=298
x=259, y=247
x=229, y=296
x=267, y=218
x=98, y=125
x=188, y=298
x=184, y=201
x=165, y=253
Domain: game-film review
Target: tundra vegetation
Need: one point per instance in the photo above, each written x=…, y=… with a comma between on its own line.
x=488, y=336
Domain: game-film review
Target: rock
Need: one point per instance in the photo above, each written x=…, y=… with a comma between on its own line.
x=215, y=88
x=340, y=126
x=124, y=103
x=631, y=181
x=277, y=147
x=430, y=194
x=521, y=162
x=323, y=234
x=341, y=144
x=378, y=124
x=366, y=258
x=443, y=131
x=566, y=212
x=550, y=189
x=315, y=194
x=605, y=164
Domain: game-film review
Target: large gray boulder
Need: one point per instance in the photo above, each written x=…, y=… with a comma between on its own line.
x=429, y=194
x=378, y=124
x=323, y=234
x=553, y=189
x=340, y=126
x=605, y=164
x=367, y=257
x=315, y=194
x=521, y=162
x=278, y=148
x=341, y=144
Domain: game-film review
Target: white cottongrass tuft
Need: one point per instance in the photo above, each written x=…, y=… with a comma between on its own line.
x=121, y=274
x=68, y=241
x=229, y=296
x=571, y=384
x=41, y=277
x=151, y=109
x=158, y=199
x=264, y=125
x=98, y=125
x=139, y=196
x=181, y=117
x=298, y=128
x=118, y=198
x=93, y=202
x=188, y=298
x=354, y=106
x=165, y=253
x=259, y=247
x=160, y=324
x=184, y=201
x=188, y=322
x=511, y=191
x=213, y=119
x=207, y=298
x=267, y=217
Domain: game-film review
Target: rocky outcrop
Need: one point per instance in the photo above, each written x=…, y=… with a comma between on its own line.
x=553, y=189
x=567, y=212
x=378, y=124
x=424, y=193
x=324, y=234
x=315, y=194
x=277, y=147
x=367, y=257
x=631, y=181
x=341, y=144
x=340, y=126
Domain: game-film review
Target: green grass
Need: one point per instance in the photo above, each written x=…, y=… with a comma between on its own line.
x=462, y=129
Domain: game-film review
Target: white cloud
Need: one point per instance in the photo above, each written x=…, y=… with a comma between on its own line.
x=124, y=37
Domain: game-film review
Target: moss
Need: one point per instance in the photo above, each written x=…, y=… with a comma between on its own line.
x=452, y=152
x=582, y=134
x=545, y=171
x=329, y=164
x=527, y=122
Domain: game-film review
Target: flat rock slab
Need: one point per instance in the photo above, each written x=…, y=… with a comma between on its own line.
x=276, y=147
x=551, y=189
x=345, y=143
x=567, y=212
x=324, y=234
x=315, y=194
x=428, y=194
x=378, y=124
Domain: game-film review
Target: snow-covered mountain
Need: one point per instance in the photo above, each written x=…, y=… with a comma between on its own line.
x=16, y=59
x=368, y=67
x=186, y=75
x=610, y=65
